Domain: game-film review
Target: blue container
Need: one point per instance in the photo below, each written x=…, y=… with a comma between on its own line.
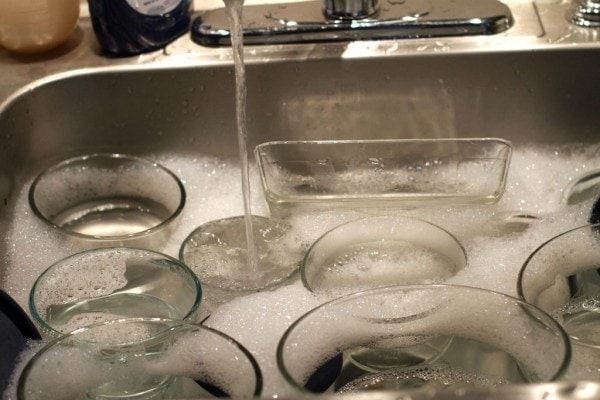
x=129, y=27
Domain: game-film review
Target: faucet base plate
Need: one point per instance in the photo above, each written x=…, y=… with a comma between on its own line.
x=305, y=22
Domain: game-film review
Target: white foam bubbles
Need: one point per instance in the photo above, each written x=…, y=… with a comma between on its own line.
x=536, y=179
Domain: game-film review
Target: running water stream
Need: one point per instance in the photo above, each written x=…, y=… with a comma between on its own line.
x=217, y=251
x=234, y=12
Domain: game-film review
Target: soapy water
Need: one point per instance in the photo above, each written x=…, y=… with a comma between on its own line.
x=425, y=377
x=217, y=253
x=113, y=217
x=581, y=318
x=119, y=305
x=368, y=265
x=489, y=335
x=143, y=359
x=535, y=182
x=102, y=281
x=375, y=176
x=102, y=285
x=587, y=303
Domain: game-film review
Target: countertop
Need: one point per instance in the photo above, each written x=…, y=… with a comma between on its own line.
x=81, y=50
x=538, y=24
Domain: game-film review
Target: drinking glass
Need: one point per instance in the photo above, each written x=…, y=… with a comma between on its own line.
x=107, y=200
x=496, y=339
x=141, y=358
x=112, y=283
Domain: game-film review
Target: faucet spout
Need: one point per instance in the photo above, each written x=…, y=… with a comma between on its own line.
x=350, y=9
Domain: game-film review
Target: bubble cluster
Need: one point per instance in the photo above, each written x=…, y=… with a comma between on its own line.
x=430, y=376
x=585, y=303
x=369, y=265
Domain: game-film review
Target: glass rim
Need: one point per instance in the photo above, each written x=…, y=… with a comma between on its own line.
x=538, y=249
x=171, y=323
x=199, y=228
x=550, y=322
x=521, y=276
x=46, y=328
x=100, y=238
x=375, y=141
x=303, y=262
x=581, y=179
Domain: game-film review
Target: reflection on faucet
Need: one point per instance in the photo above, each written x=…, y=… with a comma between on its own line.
x=350, y=9
x=345, y=20
x=585, y=13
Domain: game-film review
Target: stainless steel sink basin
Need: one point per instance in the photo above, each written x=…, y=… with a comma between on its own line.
x=536, y=83
x=522, y=96
x=527, y=87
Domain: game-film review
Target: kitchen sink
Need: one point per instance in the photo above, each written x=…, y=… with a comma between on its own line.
x=530, y=87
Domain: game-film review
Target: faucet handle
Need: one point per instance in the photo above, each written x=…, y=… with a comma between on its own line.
x=350, y=9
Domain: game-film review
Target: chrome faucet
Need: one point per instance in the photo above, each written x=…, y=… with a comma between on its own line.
x=585, y=13
x=346, y=20
x=350, y=9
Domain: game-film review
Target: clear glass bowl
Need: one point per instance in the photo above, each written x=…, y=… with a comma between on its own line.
x=562, y=276
x=396, y=334
x=112, y=283
x=141, y=358
x=106, y=200
x=381, y=251
x=402, y=173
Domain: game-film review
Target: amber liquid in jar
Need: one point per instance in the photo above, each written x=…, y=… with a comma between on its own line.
x=35, y=26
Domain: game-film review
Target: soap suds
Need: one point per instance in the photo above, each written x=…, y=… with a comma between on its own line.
x=495, y=253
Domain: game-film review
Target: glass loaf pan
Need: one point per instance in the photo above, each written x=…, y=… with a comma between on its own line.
x=403, y=173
